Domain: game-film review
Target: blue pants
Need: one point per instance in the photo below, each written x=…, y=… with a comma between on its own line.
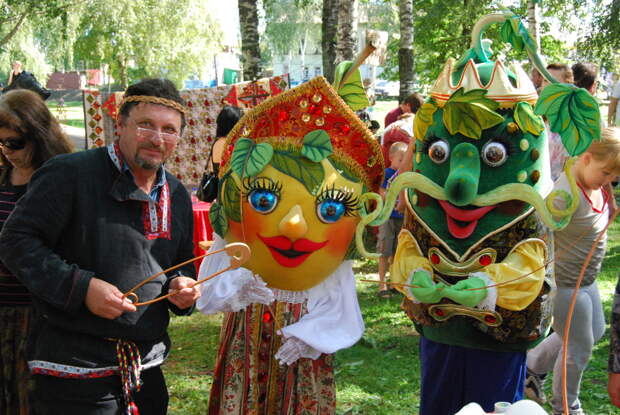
x=454, y=376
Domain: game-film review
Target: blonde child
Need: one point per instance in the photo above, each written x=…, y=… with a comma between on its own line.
x=593, y=170
x=388, y=232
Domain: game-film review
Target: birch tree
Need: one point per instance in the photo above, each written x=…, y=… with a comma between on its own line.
x=250, y=47
x=346, y=47
x=406, y=67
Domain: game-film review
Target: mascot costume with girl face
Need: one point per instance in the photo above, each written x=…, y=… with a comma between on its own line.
x=291, y=178
x=474, y=258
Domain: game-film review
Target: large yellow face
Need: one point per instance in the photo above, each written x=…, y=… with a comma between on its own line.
x=297, y=239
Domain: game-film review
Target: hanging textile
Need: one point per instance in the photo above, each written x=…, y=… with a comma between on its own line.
x=204, y=104
x=93, y=118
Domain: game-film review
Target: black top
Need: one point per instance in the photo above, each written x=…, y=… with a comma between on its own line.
x=12, y=292
x=27, y=80
x=83, y=218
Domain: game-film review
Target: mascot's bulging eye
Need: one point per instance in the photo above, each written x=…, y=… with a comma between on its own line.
x=263, y=201
x=263, y=193
x=333, y=203
x=330, y=211
x=494, y=154
x=439, y=151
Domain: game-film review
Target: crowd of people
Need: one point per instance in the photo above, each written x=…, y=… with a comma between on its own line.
x=81, y=230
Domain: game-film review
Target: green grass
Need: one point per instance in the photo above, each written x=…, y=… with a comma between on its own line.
x=71, y=114
x=380, y=374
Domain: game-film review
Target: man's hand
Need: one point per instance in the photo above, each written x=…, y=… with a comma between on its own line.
x=105, y=300
x=187, y=295
x=613, y=389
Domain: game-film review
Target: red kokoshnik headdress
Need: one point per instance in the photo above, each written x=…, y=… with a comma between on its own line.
x=314, y=105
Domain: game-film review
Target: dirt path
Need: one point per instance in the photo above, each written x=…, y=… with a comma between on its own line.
x=76, y=135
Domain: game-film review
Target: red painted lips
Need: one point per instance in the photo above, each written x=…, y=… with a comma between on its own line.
x=288, y=253
x=470, y=218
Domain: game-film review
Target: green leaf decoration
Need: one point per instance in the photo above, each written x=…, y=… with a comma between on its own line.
x=527, y=120
x=470, y=112
x=423, y=120
x=343, y=170
x=217, y=217
x=231, y=199
x=573, y=113
x=508, y=34
x=352, y=91
x=317, y=146
x=307, y=172
x=513, y=32
x=249, y=159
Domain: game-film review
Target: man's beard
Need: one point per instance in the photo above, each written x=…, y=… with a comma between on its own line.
x=146, y=165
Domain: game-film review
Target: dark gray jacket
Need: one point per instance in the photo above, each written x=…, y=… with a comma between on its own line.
x=82, y=218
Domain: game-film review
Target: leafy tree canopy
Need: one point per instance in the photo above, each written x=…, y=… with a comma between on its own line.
x=136, y=38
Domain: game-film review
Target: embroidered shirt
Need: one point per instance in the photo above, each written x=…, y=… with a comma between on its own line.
x=156, y=213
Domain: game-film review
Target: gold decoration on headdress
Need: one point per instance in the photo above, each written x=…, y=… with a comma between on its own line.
x=153, y=100
x=499, y=87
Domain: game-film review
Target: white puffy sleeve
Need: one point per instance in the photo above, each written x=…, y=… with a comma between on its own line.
x=334, y=320
x=232, y=290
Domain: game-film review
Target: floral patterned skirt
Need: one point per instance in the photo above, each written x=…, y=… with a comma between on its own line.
x=249, y=380
x=15, y=323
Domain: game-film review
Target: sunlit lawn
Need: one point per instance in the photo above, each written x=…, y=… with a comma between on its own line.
x=71, y=113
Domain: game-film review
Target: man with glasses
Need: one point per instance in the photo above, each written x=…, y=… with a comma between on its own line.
x=91, y=227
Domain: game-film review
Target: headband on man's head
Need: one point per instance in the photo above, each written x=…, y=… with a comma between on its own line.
x=153, y=100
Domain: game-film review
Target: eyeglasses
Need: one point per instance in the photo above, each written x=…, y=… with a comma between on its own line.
x=149, y=134
x=13, y=143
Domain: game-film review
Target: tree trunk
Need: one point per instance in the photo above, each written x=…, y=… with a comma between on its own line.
x=303, y=43
x=532, y=21
x=14, y=29
x=328, y=37
x=122, y=70
x=466, y=26
x=346, y=48
x=405, y=52
x=250, y=50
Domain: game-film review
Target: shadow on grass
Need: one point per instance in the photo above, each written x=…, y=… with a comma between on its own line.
x=380, y=374
x=189, y=369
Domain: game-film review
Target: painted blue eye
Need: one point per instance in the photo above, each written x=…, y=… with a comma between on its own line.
x=329, y=211
x=263, y=201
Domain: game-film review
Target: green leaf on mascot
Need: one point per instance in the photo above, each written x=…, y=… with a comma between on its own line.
x=470, y=112
x=249, y=158
x=317, y=146
x=527, y=120
x=513, y=32
x=352, y=91
x=231, y=199
x=423, y=120
x=217, y=217
x=309, y=173
x=573, y=113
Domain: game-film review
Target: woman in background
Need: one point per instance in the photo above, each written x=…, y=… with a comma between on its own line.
x=226, y=120
x=29, y=136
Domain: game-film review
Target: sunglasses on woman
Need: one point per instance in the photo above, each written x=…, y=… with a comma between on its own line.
x=13, y=143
